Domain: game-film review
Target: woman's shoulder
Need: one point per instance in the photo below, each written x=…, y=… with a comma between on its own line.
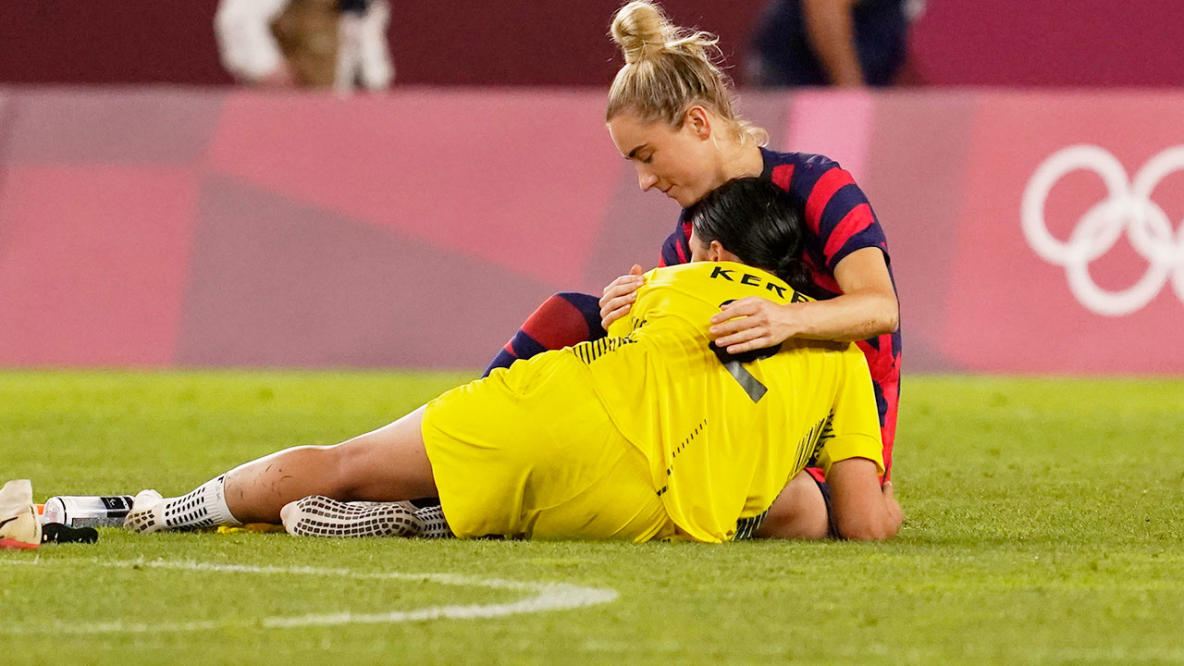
x=811, y=161
x=800, y=173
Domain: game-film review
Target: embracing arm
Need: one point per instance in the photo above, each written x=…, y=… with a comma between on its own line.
x=862, y=509
x=866, y=308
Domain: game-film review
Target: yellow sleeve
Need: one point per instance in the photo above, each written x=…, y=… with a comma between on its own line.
x=854, y=428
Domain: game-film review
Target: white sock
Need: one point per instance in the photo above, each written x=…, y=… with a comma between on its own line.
x=203, y=507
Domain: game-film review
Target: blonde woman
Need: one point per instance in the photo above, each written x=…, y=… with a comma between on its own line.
x=671, y=112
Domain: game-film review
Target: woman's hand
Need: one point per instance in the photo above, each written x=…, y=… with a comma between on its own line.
x=754, y=323
x=619, y=296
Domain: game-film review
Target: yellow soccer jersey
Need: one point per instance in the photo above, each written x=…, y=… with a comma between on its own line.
x=723, y=435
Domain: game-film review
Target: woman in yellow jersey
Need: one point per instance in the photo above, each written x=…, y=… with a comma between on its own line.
x=650, y=433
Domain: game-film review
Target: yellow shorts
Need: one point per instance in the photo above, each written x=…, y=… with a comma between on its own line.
x=530, y=452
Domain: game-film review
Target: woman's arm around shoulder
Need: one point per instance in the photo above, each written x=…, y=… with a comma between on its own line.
x=864, y=278
x=866, y=308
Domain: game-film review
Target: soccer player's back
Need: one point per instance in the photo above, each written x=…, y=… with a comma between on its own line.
x=724, y=434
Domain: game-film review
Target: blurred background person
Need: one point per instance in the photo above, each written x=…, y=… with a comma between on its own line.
x=830, y=42
x=340, y=44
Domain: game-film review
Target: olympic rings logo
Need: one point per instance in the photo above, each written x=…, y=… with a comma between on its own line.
x=1128, y=209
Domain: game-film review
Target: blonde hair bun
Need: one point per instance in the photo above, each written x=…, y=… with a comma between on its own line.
x=641, y=30
x=668, y=68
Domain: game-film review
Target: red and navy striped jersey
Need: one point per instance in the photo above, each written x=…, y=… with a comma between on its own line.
x=839, y=220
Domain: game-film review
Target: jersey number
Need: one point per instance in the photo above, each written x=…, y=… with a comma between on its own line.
x=734, y=364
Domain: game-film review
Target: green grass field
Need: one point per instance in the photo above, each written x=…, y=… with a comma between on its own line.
x=1045, y=524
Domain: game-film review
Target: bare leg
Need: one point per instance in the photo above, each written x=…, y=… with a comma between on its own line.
x=799, y=512
x=387, y=464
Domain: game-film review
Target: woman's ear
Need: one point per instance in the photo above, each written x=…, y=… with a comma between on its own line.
x=716, y=251
x=698, y=120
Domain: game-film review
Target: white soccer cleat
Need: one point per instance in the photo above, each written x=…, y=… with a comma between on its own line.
x=147, y=514
x=324, y=517
x=19, y=527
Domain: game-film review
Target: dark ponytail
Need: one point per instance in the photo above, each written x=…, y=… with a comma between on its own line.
x=759, y=223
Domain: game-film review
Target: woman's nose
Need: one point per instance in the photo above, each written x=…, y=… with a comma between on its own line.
x=646, y=180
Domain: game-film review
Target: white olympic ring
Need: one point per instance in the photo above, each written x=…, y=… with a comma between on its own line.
x=1128, y=208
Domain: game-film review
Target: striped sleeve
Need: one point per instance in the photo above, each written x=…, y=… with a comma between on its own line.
x=838, y=214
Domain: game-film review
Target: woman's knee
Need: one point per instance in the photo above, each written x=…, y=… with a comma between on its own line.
x=350, y=467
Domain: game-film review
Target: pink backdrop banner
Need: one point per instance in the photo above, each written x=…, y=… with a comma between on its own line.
x=1029, y=232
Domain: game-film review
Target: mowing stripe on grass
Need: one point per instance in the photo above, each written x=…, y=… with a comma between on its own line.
x=546, y=597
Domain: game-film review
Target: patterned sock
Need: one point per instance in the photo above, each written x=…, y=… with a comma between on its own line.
x=320, y=516
x=203, y=507
x=562, y=320
x=433, y=525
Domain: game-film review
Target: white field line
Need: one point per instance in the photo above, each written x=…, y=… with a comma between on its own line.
x=545, y=597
